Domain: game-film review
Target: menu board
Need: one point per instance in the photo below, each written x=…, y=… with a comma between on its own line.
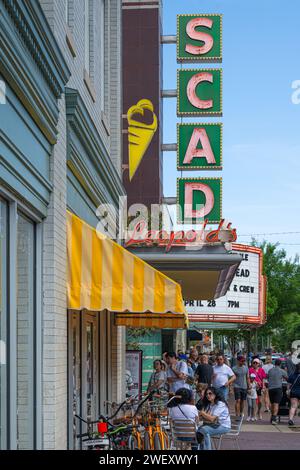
x=134, y=372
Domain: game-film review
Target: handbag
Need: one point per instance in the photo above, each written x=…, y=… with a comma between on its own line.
x=288, y=392
x=213, y=425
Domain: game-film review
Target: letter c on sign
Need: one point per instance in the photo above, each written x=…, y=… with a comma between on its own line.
x=199, y=36
x=191, y=90
x=188, y=200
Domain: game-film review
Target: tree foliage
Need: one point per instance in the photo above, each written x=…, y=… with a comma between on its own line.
x=283, y=300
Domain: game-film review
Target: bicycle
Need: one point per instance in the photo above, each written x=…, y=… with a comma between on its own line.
x=103, y=438
x=93, y=441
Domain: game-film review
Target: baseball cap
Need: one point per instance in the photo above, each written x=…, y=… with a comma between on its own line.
x=240, y=358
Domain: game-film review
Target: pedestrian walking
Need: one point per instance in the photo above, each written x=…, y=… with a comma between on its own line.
x=177, y=372
x=222, y=377
x=204, y=371
x=275, y=377
x=158, y=378
x=294, y=393
x=215, y=415
x=241, y=384
x=291, y=367
x=251, y=399
x=260, y=376
x=194, y=357
x=266, y=367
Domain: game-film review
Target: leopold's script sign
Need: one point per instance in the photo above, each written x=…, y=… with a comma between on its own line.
x=143, y=237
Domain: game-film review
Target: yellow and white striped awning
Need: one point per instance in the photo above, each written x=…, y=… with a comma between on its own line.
x=103, y=275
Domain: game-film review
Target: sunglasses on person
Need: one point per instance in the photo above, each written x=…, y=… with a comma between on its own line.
x=256, y=362
x=209, y=393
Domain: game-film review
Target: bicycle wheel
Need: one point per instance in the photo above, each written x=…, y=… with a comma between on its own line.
x=165, y=441
x=147, y=441
x=132, y=443
x=157, y=441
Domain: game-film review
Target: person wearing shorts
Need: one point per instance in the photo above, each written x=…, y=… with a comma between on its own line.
x=275, y=377
x=241, y=385
x=294, y=387
x=266, y=367
x=260, y=375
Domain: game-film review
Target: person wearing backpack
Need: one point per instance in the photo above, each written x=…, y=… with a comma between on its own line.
x=294, y=393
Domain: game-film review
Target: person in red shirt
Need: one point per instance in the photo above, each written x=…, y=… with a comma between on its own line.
x=260, y=375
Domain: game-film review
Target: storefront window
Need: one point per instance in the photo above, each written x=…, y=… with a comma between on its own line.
x=25, y=332
x=3, y=277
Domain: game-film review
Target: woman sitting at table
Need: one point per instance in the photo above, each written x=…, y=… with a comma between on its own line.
x=182, y=406
x=216, y=417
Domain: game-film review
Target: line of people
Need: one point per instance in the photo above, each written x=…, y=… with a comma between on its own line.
x=253, y=385
x=186, y=379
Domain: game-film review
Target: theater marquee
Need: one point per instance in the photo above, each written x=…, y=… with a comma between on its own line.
x=245, y=301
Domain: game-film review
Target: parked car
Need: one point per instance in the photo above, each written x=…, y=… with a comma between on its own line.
x=274, y=357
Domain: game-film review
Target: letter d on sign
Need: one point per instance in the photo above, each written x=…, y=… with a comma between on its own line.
x=199, y=198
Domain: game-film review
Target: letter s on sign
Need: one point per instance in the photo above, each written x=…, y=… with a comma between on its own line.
x=296, y=93
x=200, y=36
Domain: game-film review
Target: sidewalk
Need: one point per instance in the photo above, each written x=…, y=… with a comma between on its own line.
x=261, y=435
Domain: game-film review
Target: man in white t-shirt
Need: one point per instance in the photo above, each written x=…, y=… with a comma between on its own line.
x=222, y=377
x=177, y=373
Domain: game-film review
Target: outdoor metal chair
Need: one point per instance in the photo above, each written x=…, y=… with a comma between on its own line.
x=233, y=434
x=183, y=432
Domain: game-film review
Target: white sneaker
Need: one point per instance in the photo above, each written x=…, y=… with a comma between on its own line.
x=253, y=419
x=248, y=419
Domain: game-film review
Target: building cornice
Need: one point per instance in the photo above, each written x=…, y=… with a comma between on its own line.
x=84, y=128
x=37, y=36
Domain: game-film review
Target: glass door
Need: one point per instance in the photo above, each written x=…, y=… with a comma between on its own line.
x=89, y=367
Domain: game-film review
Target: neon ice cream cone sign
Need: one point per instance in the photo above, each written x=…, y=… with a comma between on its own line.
x=140, y=134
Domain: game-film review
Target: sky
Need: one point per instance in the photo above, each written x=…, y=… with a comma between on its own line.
x=261, y=125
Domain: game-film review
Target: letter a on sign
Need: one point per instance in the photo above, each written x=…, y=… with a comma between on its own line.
x=199, y=92
x=199, y=199
x=199, y=146
x=199, y=38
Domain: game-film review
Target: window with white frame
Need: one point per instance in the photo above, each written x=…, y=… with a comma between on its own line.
x=25, y=331
x=21, y=328
x=3, y=313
